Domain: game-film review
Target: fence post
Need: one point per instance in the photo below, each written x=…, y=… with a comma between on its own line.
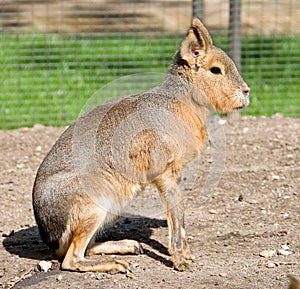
x=198, y=8
x=235, y=40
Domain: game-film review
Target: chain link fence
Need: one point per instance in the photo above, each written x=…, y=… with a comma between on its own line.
x=55, y=55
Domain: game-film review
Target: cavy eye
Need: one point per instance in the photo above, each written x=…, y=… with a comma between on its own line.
x=215, y=70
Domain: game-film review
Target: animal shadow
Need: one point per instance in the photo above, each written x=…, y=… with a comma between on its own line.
x=26, y=243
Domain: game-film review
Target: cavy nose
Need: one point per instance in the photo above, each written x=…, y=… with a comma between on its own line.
x=246, y=89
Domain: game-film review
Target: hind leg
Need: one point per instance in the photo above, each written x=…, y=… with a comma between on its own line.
x=74, y=259
x=116, y=247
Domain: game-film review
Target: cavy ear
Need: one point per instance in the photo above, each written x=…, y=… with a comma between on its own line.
x=196, y=43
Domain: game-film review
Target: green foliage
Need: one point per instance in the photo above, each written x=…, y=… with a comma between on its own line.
x=272, y=68
x=48, y=78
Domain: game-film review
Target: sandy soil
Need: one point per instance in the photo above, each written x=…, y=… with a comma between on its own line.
x=253, y=211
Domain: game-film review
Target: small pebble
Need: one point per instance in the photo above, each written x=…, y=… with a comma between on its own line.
x=44, y=266
x=271, y=265
x=59, y=277
x=285, y=215
x=275, y=178
x=38, y=148
x=99, y=277
x=8, y=234
x=222, y=121
x=267, y=253
x=253, y=202
x=285, y=247
x=20, y=166
x=212, y=211
x=284, y=252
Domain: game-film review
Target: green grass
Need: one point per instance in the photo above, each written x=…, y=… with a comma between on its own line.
x=47, y=79
x=272, y=68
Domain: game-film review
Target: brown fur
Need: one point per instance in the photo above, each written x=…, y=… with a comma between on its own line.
x=110, y=154
x=294, y=283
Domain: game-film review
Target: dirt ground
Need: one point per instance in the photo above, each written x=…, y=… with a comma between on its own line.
x=246, y=235
x=76, y=16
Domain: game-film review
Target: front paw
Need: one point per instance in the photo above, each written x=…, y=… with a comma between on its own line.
x=180, y=263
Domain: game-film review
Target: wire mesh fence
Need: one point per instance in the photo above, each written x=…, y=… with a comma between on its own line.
x=55, y=55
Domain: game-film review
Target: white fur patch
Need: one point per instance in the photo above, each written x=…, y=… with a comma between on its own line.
x=64, y=241
x=107, y=204
x=110, y=206
x=136, y=189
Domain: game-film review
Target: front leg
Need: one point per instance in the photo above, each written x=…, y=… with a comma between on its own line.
x=178, y=246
